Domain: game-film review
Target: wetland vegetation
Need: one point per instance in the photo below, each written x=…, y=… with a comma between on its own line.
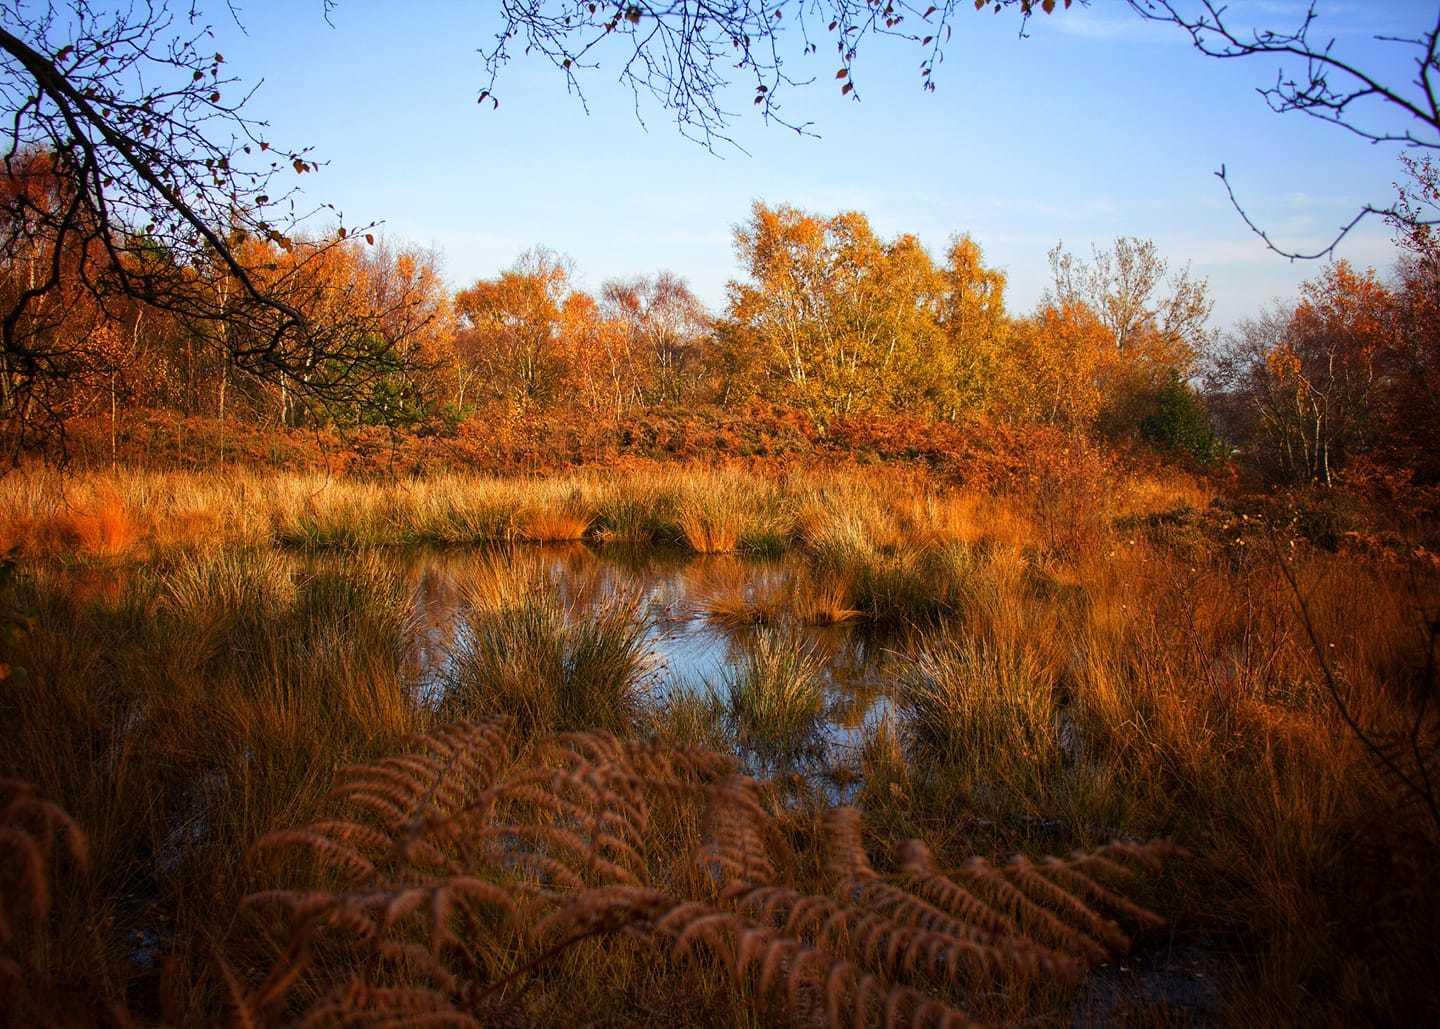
x=915, y=636
x=191, y=657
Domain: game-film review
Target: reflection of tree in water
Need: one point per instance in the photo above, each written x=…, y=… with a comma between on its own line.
x=435, y=619
x=695, y=652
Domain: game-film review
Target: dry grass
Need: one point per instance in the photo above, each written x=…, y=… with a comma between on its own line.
x=734, y=594
x=551, y=527
x=706, y=510
x=821, y=600
x=1081, y=675
x=776, y=693
x=532, y=658
x=746, y=599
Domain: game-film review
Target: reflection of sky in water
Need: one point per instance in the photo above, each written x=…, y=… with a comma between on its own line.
x=690, y=651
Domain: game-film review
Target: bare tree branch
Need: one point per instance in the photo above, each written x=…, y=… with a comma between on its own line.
x=132, y=171
x=1317, y=81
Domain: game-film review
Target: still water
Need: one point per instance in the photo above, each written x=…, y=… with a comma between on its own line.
x=691, y=649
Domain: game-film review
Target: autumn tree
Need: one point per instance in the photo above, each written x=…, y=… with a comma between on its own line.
x=843, y=321
x=974, y=358
x=1155, y=318
x=1311, y=376
x=1056, y=366
x=389, y=304
x=401, y=289
x=511, y=329
x=61, y=338
x=1411, y=406
x=156, y=166
x=659, y=328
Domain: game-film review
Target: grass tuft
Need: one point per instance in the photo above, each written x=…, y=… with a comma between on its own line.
x=776, y=692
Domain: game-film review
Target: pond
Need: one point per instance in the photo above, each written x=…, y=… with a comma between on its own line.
x=703, y=617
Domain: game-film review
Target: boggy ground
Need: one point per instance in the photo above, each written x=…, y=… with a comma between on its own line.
x=1099, y=660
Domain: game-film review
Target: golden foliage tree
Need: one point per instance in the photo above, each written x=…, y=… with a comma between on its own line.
x=843, y=322
x=512, y=330
x=1313, y=378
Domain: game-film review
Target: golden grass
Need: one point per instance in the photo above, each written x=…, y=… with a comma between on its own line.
x=821, y=600
x=551, y=526
x=1079, y=678
x=741, y=603
x=839, y=516
x=708, y=527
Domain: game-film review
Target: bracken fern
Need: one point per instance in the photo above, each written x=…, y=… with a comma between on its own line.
x=452, y=874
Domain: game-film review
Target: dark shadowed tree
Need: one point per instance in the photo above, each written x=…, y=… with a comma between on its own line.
x=133, y=171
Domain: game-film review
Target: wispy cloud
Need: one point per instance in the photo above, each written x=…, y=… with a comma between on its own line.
x=1091, y=24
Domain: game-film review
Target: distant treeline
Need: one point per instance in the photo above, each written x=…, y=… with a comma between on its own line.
x=830, y=321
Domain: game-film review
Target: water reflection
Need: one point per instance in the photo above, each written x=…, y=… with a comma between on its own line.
x=692, y=650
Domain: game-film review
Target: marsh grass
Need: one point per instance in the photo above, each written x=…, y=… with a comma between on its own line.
x=180, y=714
x=691, y=716
x=743, y=604
x=918, y=585
x=183, y=687
x=834, y=516
x=820, y=600
x=988, y=711
x=776, y=693
x=552, y=526
x=746, y=596
x=549, y=666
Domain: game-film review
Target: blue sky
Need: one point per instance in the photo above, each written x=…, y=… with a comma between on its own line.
x=1097, y=125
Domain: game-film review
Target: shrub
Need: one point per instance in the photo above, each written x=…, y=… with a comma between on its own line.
x=1178, y=423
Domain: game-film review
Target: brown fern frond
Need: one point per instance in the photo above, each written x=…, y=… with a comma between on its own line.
x=451, y=764
x=594, y=795
x=924, y=879
x=734, y=851
x=419, y=853
x=648, y=759
x=418, y=960
x=32, y=830
x=353, y=834
x=471, y=894
x=885, y=898
x=299, y=904
x=582, y=857
x=337, y=857
x=1069, y=878
x=1034, y=919
x=366, y=915
x=854, y=879
x=549, y=794
x=243, y=1012
x=806, y=980
x=1115, y=859
x=386, y=808
x=1044, y=890
x=844, y=849
x=893, y=949
x=551, y=873
x=32, y=874
x=363, y=1005
x=461, y=829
